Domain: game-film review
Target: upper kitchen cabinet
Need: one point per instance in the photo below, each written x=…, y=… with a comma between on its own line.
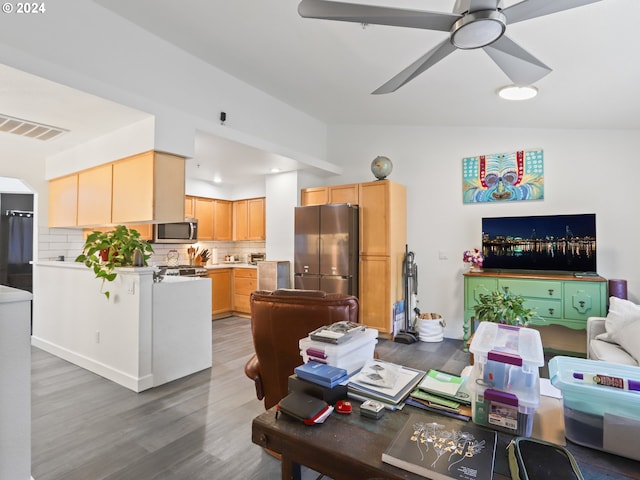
x=249, y=219
x=94, y=195
x=63, y=201
x=189, y=207
x=143, y=188
x=314, y=196
x=203, y=212
x=222, y=220
x=335, y=194
x=148, y=187
x=344, y=194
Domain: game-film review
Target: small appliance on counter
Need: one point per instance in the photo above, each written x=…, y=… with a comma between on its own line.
x=273, y=275
x=254, y=258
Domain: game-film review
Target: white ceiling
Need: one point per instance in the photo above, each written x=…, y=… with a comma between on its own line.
x=328, y=70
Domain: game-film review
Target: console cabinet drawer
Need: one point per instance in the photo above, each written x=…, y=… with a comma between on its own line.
x=533, y=288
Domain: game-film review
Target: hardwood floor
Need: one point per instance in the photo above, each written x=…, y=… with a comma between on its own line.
x=85, y=427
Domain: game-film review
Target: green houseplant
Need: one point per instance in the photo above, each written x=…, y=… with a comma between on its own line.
x=120, y=247
x=503, y=307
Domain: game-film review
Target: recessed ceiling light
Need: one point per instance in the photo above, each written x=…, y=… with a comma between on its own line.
x=515, y=92
x=217, y=179
x=275, y=170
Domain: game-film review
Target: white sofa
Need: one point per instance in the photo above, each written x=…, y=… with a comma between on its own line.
x=616, y=337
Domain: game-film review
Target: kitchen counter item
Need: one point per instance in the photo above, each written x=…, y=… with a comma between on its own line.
x=173, y=258
x=273, y=275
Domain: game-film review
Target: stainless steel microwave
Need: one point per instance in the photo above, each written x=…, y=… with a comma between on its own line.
x=176, y=232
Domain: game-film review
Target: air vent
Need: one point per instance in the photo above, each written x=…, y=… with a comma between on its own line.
x=27, y=128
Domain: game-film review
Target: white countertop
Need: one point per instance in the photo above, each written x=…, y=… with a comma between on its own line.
x=230, y=265
x=10, y=294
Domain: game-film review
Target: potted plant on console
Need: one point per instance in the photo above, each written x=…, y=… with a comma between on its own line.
x=503, y=307
x=104, y=251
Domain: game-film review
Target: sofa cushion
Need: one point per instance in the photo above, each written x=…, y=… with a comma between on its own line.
x=623, y=326
x=610, y=352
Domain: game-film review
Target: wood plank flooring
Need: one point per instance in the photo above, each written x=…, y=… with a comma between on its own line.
x=85, y=427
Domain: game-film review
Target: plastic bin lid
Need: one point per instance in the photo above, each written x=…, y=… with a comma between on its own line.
x=507, y=344
x=576, y=375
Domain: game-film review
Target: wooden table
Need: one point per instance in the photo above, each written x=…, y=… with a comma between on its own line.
x=349, y=447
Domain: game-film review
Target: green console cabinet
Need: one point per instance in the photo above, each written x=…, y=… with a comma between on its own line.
x=562, y=300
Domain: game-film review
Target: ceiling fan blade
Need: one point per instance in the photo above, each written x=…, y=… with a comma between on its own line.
x=538, y=8
x=519, y=65
x=428, y=60
x=396, y=17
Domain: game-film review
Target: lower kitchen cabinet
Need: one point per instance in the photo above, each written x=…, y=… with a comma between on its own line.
x=245, y=281
x=221, y=298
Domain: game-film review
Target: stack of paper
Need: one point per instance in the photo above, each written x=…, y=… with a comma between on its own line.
x=443, y=393
x=385, y=382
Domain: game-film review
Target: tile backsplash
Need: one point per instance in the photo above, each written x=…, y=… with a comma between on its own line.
x=56, y=242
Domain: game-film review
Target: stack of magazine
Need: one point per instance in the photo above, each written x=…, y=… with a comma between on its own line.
x=385, y=382
x=443, y=393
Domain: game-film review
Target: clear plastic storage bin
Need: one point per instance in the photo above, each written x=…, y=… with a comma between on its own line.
x=595, y=415
x=350, y=355
x=509, y=411
x=508, y=358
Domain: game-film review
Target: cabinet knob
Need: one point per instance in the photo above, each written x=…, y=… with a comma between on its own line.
x=581, y=303
x=551, y=292
x=551, y=310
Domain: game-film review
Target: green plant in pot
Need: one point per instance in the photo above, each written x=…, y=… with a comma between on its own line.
x=103, y=252
x=503, y=307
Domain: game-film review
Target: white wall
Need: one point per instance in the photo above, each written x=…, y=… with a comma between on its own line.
x=585, y=171
x=76, y=44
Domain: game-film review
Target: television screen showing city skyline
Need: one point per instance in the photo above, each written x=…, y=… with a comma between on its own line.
x=544, y=242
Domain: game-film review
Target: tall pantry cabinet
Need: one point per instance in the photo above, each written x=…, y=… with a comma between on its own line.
x=383, y=237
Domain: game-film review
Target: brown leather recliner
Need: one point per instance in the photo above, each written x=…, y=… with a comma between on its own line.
x=279, y=319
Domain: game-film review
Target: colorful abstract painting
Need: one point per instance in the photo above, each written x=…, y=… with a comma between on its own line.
x=503, y=177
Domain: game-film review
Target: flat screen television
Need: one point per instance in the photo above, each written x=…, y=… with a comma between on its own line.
x=553, y=243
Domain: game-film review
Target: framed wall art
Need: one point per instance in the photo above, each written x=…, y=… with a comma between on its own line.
x=503, y=177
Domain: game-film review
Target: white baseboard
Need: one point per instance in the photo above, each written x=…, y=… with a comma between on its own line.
x=137, y=384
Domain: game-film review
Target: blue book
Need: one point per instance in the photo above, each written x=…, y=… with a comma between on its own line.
x=320, y=373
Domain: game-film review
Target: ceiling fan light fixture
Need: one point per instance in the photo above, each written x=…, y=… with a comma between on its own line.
x=518, y=92
x=478, y=29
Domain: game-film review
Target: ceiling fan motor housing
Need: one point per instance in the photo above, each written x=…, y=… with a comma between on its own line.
x=478, y=29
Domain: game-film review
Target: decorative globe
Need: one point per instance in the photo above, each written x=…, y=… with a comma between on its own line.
x=381, y=167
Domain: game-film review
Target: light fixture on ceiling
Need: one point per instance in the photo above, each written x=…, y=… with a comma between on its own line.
x=217, y=179
x=275, y=170
x=518, y=92
x=478, y=29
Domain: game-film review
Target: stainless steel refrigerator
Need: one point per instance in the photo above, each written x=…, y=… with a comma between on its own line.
x=326, y=248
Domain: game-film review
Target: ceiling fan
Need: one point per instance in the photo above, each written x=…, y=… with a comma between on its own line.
x=473, y=24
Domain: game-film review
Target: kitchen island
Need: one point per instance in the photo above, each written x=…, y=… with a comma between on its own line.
x=144, y=335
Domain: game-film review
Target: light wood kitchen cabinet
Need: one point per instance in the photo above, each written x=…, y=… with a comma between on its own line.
x=249, y=219
x=383, y=237
x=221, y=299
x=63, y=201
x=222, y=220
x=314, y=196
x=344, y=194
x=189, y=207
x=144, y=229
x=148, y=187
x=245, y=281
x=94, y=195
x=383, y=218
x=203, y=210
